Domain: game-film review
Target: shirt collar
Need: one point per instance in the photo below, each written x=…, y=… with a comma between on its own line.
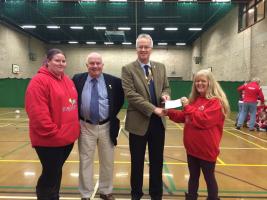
x=89, y=78
x=142, y=64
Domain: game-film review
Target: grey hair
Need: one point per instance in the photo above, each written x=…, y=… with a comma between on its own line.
x=93, y=54
x=146, y=36
x=256, y=79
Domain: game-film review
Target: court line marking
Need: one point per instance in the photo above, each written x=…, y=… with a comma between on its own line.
x=237, y=136
x=221, y=161
x=8, y=113
x=182, y=147
x=124, y=119
x=14, y=150
x=166, y=173
x=179, y=126
x=257, y=145
x=165, y=169
x=250, y=135
x=128, y=162
x=95, y=189
x=61, y=198
x=218, y=159
x=5, y=125
x=15, y=125
x=15, y=119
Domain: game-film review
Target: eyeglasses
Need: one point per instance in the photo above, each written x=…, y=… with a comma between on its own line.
x=144, y=47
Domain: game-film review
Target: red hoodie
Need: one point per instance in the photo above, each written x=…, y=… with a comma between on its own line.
x=203, y=127
x=51, y=105
x=252, y=92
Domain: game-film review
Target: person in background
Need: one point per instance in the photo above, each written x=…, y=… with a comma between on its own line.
x=261, y=119
x=51, y=105
x=100, y=100
x=252, y=92
x=145, y=86
x=240, y=105
x=203, y=115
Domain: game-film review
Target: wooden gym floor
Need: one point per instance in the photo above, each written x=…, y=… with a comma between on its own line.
x=241, y=167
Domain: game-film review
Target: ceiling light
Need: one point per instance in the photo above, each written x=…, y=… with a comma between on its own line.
x=117, y=0
x=153, y=0
x=53, y=27
x=188, y=0
x=90, y=42
x=72, y=42
x=195, y=29
x=180, y=44
x=127, y=43
x=100, y=28
x=162, y=43
x=221, y=1
x=124, y=28
x=108, y=43
x=77, y=27
x=88, y=0
x=171, y=29
x=148, y=28
x=28, y=26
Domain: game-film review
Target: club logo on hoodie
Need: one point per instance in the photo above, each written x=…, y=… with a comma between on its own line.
x=72, y=107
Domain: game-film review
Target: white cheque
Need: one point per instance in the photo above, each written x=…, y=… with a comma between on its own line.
x=173, y=104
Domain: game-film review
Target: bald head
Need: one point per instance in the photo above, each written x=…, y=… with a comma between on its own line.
x=94, y=64
x=93, y=55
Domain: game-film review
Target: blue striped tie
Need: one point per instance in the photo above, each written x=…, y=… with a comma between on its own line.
x=94, y=104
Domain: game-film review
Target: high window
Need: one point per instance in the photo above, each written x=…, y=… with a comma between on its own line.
x=251, y=13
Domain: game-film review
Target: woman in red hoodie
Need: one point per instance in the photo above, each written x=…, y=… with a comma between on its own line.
x=51, y=105
x=203, y=115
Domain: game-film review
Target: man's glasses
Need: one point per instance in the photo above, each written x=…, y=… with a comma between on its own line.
x=144, y=47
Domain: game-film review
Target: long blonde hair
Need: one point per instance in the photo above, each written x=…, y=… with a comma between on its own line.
x=214, y=90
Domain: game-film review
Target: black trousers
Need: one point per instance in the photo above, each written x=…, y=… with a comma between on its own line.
x=208, y=168
x=52, y=160
x=154, y=137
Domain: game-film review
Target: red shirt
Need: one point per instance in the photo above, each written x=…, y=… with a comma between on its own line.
x=51, y=105
x=203, y=128
x=252, y=92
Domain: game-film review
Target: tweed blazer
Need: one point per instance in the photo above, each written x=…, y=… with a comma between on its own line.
x=136, y=91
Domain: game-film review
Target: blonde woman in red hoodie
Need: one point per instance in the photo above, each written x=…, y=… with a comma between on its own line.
x=51, y=105
x=203, y=115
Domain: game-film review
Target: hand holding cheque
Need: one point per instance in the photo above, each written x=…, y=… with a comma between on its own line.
x=183, y=101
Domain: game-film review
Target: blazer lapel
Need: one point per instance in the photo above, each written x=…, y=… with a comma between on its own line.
x=155, y=74
x=109, y=91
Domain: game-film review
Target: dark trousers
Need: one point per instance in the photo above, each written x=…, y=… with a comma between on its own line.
x=52, y=160
x=208, y=168
x=154, y=137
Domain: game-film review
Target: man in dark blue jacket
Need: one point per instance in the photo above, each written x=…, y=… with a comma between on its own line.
x=100, y=98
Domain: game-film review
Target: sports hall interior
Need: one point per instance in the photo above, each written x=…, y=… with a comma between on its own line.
x=232, y=43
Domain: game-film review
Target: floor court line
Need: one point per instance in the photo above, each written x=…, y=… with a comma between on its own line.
x=250, y=135
x=182, y=147
x=128, y=162
x=221, y=161
x=263, y=148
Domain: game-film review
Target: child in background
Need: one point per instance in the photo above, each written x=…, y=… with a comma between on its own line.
x=261, y=118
